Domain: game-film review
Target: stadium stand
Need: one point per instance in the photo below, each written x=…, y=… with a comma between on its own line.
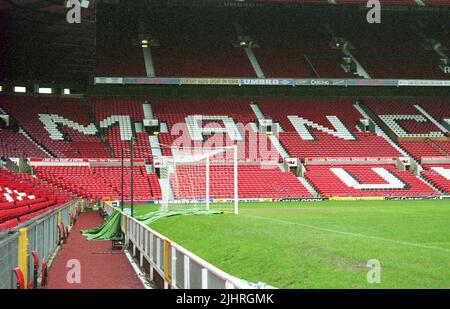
x=299, y=88
x=175, y=111
x=326, y=141
x=438, y=175
x=189, y=46
x=116, y=45
x=383, y=2
x=24, y=197
x=288, y=62
x=132, y=63
x=300, y=54
x=203, y=49
x=438, y=109
x=438, y=2
x=201, y=60
x=101, y=182
x=16, y=145
x=130, y=111
x=380, y=53
x=62, y=138
x=265, y=181
x=365, y=180
x=355, y=2
x=417, y=134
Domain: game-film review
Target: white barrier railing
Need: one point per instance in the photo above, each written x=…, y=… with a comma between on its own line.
x=180, y=268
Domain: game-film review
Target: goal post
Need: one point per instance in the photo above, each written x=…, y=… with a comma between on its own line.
x=200, y=178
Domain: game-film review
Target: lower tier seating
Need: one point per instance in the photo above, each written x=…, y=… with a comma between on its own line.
x=22, y=197
x=254, y=181
x=365, y=180
x=438, y=175
x=426, y=148
x=102, y=182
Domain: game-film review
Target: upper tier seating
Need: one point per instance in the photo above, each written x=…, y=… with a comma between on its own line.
x=118, y=56
x=438, y=2
x=102, y=182
x=198, y=43
x=254, y=181
x=419, y=127
x=253, y=146
x=285, y=62
x=192, y=46
x=324, y=144
x=188, y=45
x=439, y=175
x=303, y=53
x=383, y=2
x=365, y=180
x=379, y=52
x=107, y=107
x=23, y=197
x=33, y=113
x=294, y=1
x=359, y=2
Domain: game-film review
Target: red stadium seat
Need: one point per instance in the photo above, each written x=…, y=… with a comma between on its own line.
x=326, y=182
x=30, y=198
x=254, y=182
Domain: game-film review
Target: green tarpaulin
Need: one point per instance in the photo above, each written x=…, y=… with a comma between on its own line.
x=151, y=217
x=110, y=229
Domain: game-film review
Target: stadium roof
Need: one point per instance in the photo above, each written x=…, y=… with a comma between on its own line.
x=38, y=41
x=49, y=6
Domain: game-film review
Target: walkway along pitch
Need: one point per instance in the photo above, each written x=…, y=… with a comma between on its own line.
x=99, y=266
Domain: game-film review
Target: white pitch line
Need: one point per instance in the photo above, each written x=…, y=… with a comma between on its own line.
x=400, y=242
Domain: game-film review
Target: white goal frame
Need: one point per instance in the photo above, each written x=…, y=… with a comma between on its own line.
x=206, y=155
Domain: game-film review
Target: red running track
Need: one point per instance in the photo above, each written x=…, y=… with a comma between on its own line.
x=100, y=267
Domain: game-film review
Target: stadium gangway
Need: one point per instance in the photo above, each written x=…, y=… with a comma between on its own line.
x=177, y=266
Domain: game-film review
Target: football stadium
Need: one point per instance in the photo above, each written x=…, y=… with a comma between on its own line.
x=224, y=144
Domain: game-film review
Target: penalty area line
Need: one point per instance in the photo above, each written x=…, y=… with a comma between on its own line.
x=313, y=227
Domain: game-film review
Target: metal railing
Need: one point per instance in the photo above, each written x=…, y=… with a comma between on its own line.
x=9, y=259
x=177, y=266
x=41, y=236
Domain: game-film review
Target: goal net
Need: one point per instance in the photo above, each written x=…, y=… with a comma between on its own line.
x=200, y=178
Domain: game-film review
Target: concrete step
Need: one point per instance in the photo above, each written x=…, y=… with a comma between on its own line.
x=24, y=133
x=308, y=186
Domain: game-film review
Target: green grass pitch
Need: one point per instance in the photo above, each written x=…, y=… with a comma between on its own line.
x=323, y=245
